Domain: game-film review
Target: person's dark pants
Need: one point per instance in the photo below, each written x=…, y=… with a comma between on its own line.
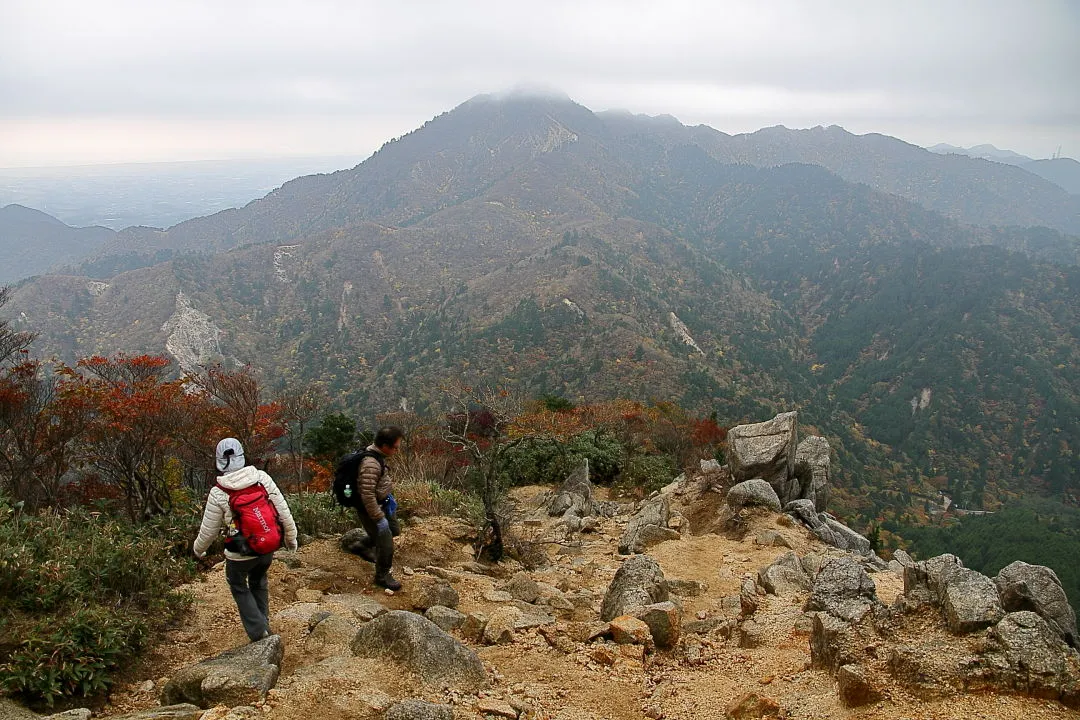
x=380, y=544
x=251, y=591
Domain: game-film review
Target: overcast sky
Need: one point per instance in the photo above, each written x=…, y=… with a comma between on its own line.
x=87, y=81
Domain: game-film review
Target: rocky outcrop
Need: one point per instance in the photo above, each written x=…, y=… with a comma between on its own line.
x=639, y=582
x=765, y=450
x=785, y=576
x=827, y=528
x=844, y=590
x=1037, y=589
x=648, y=527
x=970, y=601
x=420, y=646
x=241, y=676
x=575, y=496
x=812, y=461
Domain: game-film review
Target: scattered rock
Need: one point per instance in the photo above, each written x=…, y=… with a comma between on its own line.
x=420, y=646
x=648, y=527
x=751, y=706
x=181, y=711
x=575, y=496
x=240, y=676
x=664, y=621
x=751, y=635
x=771, y=538
x=446, y=618
x=855, y=689
x=361, y=607
x=333, y=630
x=626, y=629
x=354, y=541
x=435, y=591
x=413, y=709
x=499, y=629
x=496, y=707
x=639, y=582
x=522, y=587
x=686, y=588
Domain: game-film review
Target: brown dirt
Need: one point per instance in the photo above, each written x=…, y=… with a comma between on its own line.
x=697, y=680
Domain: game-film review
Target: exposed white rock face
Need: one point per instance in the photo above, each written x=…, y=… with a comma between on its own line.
x=921, y=401
x=282, y=252
x=191, y=337
x=683, y=332
x=96, y=287
x=346, y=291
x=574, y=307
x=557, y=136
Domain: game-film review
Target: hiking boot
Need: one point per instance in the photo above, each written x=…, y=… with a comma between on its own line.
x=387, y=581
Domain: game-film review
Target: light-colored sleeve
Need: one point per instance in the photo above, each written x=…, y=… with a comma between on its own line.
x=283, y=511
x=212, y=521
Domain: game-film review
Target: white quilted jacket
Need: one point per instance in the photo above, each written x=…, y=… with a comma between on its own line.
x=218, y=515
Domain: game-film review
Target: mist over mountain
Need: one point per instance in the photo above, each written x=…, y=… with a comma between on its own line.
x=153, y=194
x=532, y=243
x=1064, y=172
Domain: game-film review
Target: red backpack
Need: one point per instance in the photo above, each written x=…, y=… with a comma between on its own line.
x=255, y=528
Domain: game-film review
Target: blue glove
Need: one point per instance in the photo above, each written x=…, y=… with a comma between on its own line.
x=390, y=505
x=383, y=525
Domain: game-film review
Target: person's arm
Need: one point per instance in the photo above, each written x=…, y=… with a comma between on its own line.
x=283, y=511
x=370, y=473
x=212, y=520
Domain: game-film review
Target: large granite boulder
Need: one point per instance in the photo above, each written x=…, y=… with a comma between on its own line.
x=843, y=589
x=1024, y=654
x=970, y=601
x=638, y=583
x=812, y=471
x=648, y=527
x=241, y=676
x=1037, y=589
x=805, y=512
x=766, y=450
x=835, y=533
x=753, y=493
x=925, y=581
x=420, y=646
x=785, y=576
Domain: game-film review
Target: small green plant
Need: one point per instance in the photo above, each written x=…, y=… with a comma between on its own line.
x=318, y=514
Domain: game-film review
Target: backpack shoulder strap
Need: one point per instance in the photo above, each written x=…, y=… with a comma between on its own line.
x=372, y=454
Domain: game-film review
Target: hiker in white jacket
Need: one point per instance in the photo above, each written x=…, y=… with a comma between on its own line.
x=245, y=573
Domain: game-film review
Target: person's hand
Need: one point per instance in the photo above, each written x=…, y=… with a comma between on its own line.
x=383, y=525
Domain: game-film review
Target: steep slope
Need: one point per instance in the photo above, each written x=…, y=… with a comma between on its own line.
x=32, y=242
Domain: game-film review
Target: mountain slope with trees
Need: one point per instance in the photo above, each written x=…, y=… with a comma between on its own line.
x=532, y=243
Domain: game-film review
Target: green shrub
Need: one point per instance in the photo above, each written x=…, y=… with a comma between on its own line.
x=318, y=514
x=549, y=462
x=647, y=472
x=79, y=593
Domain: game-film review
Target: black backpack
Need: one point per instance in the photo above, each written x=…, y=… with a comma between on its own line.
x=347, y=474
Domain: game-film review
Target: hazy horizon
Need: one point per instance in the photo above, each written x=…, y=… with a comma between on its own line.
x=116, y=81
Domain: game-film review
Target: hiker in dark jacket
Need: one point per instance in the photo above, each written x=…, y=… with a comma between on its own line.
x=377, y=508
x=246, y=574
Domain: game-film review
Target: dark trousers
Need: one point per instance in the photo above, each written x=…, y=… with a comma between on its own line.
x=251, y=591
x=382, y=544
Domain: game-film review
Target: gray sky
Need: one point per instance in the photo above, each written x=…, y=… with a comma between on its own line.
x=87, y=81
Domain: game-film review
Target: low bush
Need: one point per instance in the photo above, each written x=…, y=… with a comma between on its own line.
x=80, y=592
x=318, y=514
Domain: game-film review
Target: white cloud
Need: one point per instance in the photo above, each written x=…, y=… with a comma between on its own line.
x=134, y=80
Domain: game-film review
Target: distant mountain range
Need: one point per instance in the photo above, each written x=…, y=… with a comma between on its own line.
x=32, y=242
x=1063, y=172
x=535, y=244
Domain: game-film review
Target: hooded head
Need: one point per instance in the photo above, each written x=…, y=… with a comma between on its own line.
x=230, y=455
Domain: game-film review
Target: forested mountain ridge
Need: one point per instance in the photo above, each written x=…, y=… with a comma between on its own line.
x=526, y=243
x=32, y=242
